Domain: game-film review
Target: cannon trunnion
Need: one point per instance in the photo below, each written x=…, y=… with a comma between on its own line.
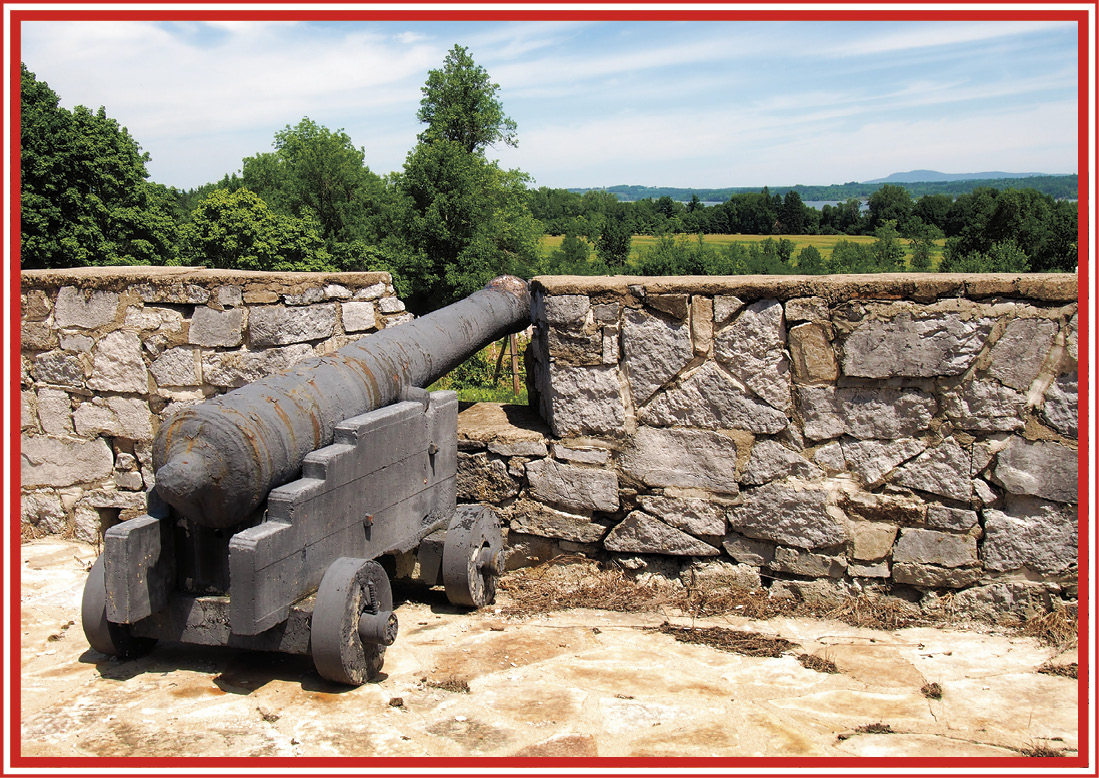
x=299, y=572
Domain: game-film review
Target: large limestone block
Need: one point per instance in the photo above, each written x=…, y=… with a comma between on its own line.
x=772, y=461
x=945, y=470
x=481, y=479
x=754, y=349
x=941, y=344
x=231, y=369
x=1030, y=533
x=867, y=414
x=213, y=328
x=935, y=577
x=277, y=326
x=682, y=458
x=180, y=366
x=693, y=515
x=55, y=411
x=60, y=462
x=710, y=399
x=945, y=549
x=873, y=460
x=812, y=354
x=573, y=487
x=583, y=401
x=86, y=310
x=126, y=417
x=1061, y=409
x=359, y=317
x=1019, y=353
x=532, y=518
x=118, y=365
x=37, y=336
x=985, y=406
x=642, y=534
x=788, y=515
x=44, y=511
x=655, y=351
x=873, y=540
x=1041, y=469
x=801, y=562
x=59, y=368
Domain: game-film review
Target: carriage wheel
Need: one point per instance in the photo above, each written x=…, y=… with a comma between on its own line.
x=353, y=621
x=473, y=556
x=105, y=636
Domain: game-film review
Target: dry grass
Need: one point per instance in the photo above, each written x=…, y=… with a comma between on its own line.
x=818, y=663
x=1058, y=628
x=1042, y=750
x=732, y=640
x=1070, y=670
x=932, y=691
x=877, y=728
x=456, y=685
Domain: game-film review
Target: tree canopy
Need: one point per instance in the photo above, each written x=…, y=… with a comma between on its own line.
x=460, y=105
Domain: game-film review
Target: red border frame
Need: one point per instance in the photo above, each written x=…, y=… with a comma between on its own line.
x=719, y=766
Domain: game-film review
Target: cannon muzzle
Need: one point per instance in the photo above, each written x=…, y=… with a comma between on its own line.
x=215, y=462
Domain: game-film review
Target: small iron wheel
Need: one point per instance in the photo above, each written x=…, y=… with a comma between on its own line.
x=473, y=556
x=105, y=636
x=352, y=622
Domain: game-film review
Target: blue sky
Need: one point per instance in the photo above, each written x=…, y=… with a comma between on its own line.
x=657, y=103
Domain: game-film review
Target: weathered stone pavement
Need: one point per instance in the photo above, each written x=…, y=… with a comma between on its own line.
x=567, y=684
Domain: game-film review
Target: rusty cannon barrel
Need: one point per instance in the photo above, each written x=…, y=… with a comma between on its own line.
x=215, y=462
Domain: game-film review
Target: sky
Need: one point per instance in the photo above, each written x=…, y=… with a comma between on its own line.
x=702, y=104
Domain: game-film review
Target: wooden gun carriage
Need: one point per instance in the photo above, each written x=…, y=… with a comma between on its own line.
x=274, y=503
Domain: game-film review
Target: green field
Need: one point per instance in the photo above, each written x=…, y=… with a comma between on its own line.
x=823, y=243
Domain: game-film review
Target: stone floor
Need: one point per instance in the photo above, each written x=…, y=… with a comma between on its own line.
x=575, y=683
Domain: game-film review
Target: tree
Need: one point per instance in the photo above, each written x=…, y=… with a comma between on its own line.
x=319, y=171
x=459, y=104
x=84, y=199
x=890, y=203
x=236, y=230
x=613, y=244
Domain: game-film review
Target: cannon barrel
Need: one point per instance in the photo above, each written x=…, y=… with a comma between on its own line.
x=215, y=462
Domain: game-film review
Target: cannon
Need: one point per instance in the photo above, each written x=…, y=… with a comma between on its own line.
x=278, y=506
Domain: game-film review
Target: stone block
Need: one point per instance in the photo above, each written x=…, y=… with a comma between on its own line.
x=682, y=458
x=891, y=508
x=807, y=309
x=481, y=479
x=748, y=551
x=932, y=577
x=55, y=411
x=713, y=575
x=77, y=308
x=229, y=296
x=44, y=511
x=984, y=406
x=605, y=313
x=567, y=311
x=586, y=456
x=772, y=461
x=944, y=470
x=801, y=562
x=125, y=417
x=1041, y=469
x=178, y=367
x=230, y=369
x=754, y=349
x=864, y=413
x=1019, y=353
x=367, y=293
x=358, y=317
x=923, y=346
x=59, y=368
x=215, y=329
x=278, y=326
x=710, y=399
x=28, y=411
x=791, y=516
x=1029, y=533
x=532, y=518
x=518, y=448
x=389, y=305
x=693, y=515
x=87, y=524
x=583, y=401
x=337, y=292
x=871, y=570
x=118, y=365
x=702, y=324
x=873, y=460
x=165, y=321
x=310, y=296
x=675, y=305
x=1061, y=409
x=640, y=533
x=260, y=297
x=34, y=305
x=654, y=352
x=942, y=549
x=173, y=293
x=726, y=306
x=573, y=487
x=1006, y=598
x=812, y=356
x=872, y=540
x=957, y=519
x=60, y=462
x=37, y=336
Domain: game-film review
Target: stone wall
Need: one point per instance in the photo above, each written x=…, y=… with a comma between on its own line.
x=913, y=431
x=109, y=353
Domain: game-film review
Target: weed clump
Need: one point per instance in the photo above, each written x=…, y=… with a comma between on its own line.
x=818, y=663
x=732, y=640
x=1066, y=670
x=932, y=691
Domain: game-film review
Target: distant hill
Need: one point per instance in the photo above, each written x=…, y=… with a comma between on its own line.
x=1060, y=187
x=918, y=176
